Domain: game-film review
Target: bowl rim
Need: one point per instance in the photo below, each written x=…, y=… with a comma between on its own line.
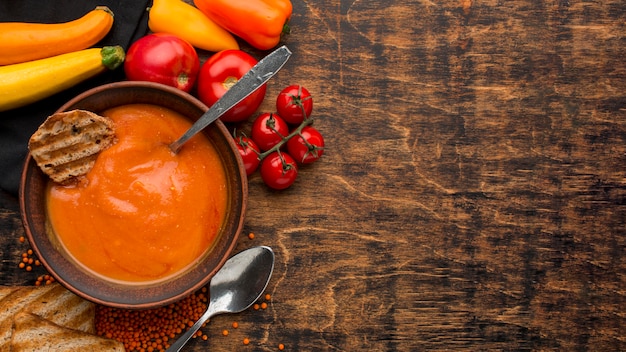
x=135, y=296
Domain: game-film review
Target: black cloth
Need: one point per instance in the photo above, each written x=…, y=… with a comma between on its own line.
x=17, y=125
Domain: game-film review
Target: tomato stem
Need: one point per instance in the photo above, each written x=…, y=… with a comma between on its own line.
x=286, y=166
x=297, y=131
x=284, y=139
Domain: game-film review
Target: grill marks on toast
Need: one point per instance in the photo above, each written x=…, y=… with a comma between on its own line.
x=33, y=334
x=7, y=290
x=53, y=306
x=50, y=302
x=67, y=144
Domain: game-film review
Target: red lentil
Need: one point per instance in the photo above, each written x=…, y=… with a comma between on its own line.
x=263, y=305
x=29, y=261
x=267, y=296
x=235, y=325
x=44, y=279
x=246, y=341
x=152, y=328
x=225, y=332
x=281, y=346
x=251, y=235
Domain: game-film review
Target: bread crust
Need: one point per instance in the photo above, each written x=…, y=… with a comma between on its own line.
x=67, y=144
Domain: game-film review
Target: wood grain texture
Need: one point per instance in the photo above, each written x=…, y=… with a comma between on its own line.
x=472, y=193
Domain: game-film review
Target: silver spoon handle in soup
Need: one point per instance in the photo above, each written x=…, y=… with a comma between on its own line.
x=250, y=82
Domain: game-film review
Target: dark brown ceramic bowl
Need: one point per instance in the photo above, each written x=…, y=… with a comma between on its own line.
x=93, y=288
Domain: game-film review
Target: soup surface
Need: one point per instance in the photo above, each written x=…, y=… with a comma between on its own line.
x=143, y=213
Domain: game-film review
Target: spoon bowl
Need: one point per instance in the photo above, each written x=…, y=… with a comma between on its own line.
x=235, y=287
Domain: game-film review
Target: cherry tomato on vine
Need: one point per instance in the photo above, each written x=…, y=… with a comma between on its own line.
x=268, y=129
x=278, y=170
x=294, y=103
x=163, y=58
x=249, y=152
x=220, y=72
x=306, y=147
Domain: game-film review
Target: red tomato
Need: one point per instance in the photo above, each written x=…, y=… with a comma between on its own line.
x=294, y=104
x=268, y=130
x=220, y=72
x=163, y=58
x=306, y=147
x=278, y=170
x=249, y=153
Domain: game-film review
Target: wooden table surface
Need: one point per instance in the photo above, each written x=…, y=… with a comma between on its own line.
x=472, y=195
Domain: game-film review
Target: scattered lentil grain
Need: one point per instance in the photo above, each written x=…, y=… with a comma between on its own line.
x=44, y=279
x=235, y=325
x=246, y=341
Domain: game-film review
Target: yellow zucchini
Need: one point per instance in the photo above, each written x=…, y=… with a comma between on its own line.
x=28, y=82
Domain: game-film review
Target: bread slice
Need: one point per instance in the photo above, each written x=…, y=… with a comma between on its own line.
x=62, y=307
x=6, y=290
x=54, y=302
x=33, y=333
x=67, y=144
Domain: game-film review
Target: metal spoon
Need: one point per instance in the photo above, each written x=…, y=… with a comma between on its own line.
x=235, y=287
x=250, y=82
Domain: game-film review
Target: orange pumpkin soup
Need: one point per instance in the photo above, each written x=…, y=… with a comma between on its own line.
x=143, y=213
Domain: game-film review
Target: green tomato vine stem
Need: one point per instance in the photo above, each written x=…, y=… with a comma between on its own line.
x=297, y=131
x=284, y=139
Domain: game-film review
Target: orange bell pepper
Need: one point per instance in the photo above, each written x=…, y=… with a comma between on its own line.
x=187, y=22
x=259, y=22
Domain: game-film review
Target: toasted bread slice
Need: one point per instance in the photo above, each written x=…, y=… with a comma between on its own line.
x=54, y=302
x=7, y=290
x=34, y=333
x=67, y=144
x=62, y=307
